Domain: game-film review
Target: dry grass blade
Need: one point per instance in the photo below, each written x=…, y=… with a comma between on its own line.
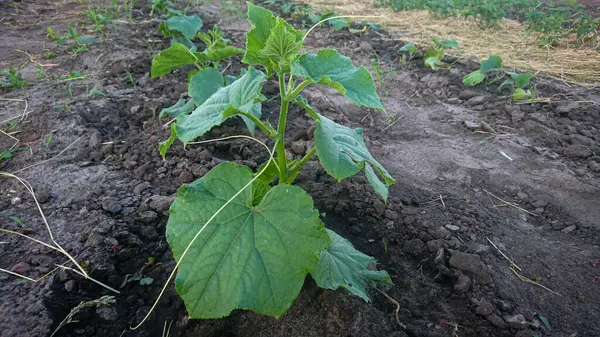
x=509, y=203
x=518, y=48
x=57, y=247
x=104, y=301
x=23, y=115
x=402, y=325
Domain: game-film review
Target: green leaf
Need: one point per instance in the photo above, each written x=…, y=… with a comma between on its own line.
x=220, y=54
x=343, y=153
x=282, y=46
x=493, y=63
x=181, y=107
x=330, y=68
x=342, y=266
x=520, y=94
x=474, y=78
x=184, y=41
x=339, y=23
x=264, y=23
x=204, y=84
x=410, y=48
x=243, y=95
x=435, y=63
x=522, y=80
x=175, y=56
x=248, y=257
x=188, y=26
x=146, y=281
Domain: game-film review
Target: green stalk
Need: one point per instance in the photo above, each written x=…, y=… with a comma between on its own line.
x=304, y=159
x=281, y=160
x=296, y=91
x=269, y=132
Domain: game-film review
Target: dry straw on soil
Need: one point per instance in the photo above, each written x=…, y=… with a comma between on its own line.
x=518, y=49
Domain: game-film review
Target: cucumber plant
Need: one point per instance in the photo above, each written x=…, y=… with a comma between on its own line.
x=518, y=83
x=434, y=56
x=206, y=73
x=246, y=240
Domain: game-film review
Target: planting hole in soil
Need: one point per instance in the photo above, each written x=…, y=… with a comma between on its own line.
x=196, y=168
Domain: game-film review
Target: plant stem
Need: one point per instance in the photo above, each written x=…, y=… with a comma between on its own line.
x=282, y=161
x=292, y=95
x=304, y=159
x=269, y=132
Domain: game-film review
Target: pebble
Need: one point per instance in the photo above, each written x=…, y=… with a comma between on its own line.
x=112, y=205
x=185, y=177
x=569, y=229
x=69, y=285
x=577, y=151
x=20, y=268
x=468, y=94
x=484, y=307
x=107, y=313
x=389, y=214
x=565, y=108
x=148, y=216
x=452, y=228
x=471, y=263
x=594, y=166
x=299, y=147
x=15, y=201
x=496, y=321
x=463, y=284
x=477, y=100
x=516, y=322
x=454, y=100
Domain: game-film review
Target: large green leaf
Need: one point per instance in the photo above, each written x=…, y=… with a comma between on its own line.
x=204, y=84
x=343, y=153
x=473, y=78
x=264, y=23
x=181, y=107
x=342, y=266
x=251, y=256
x=493, y=63
x=188, y=26
x=175, y=56
x=240, y=96
x=330, y=68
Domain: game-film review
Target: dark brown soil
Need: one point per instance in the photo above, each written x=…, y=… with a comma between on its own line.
x=107, y=196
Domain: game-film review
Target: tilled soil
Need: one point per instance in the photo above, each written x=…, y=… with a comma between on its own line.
x=107, y=196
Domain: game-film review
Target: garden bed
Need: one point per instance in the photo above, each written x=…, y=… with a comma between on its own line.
x=107, y=196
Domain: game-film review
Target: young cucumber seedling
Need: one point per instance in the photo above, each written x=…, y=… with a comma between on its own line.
x=245, y=240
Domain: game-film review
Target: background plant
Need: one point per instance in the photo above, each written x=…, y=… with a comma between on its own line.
x=206, y=73
x=517, y=83
x=247, y=240
x=434, y=56
x=555, y=20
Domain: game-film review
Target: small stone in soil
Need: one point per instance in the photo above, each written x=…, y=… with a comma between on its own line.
x=594, y=166
x=565, y=108
x=107, y=313
x=477, y=100
x=463, y=284
x=389, y=214
x=299, y=147
x=539, y=204
x=577, y=151
x=454, y=100
x=69, y=285
x=452, y=228
x=484, y=307
x=516, y=322
x=569, y=229
x=112, y=205
x=20, y=268
x=471, y=263
x=496, y=321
